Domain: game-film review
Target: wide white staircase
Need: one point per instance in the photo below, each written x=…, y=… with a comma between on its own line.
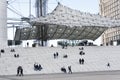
x=96, y=59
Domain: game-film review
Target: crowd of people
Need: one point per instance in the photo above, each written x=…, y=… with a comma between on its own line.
x=38, y=67
x=81, y=60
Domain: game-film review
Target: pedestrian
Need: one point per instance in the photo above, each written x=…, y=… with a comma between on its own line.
x=80, y=61
x=108, y=64
x=69, y=70
x=54, y=55
x=21, y=71
x=18, y=71
x=27, y=44
x=57, y=54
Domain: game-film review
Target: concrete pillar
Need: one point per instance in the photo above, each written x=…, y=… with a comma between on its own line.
x=3, y=23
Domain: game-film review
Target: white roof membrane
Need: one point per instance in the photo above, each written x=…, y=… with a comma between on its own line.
x=66, y=23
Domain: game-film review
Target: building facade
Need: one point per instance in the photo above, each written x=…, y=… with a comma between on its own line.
x=111, y=9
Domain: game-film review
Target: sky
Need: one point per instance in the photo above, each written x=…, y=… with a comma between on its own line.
x=22, y=8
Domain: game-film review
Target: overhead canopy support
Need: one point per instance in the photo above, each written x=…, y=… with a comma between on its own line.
x=66, y=23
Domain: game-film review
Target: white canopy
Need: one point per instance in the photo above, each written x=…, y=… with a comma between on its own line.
x=66, y=23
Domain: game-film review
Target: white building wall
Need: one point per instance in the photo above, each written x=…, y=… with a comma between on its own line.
x=3, y=23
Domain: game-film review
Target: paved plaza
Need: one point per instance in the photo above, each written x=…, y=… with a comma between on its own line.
x=109, y=75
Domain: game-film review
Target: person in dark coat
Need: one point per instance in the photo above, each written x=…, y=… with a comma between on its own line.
x=63, y=70
x=36, y=66
x=108, y=64
x=57, y=54
x=81, y=52
x=80, y=61
x=54, y=55
x=18, y=71
x=27, y=44
x=21, y=71
x=69, y=69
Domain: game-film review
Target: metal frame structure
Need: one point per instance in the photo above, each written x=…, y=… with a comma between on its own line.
x=66, y=23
